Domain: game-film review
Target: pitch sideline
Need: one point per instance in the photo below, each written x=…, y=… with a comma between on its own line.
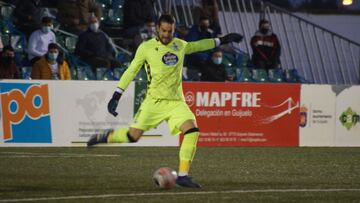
x=179, y=193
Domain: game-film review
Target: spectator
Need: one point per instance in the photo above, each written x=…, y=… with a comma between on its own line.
x=195, y=61
x=51, y=66
x=209, y=9
x=214, y=70
x=136, y=13
x=40, y=40
x=148, y=31
x=27, y=15
x=8, y=69
x=266, y=47
x=74, y=15
x=95, y=48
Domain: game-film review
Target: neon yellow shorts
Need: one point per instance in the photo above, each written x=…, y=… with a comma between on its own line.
x=153, y=111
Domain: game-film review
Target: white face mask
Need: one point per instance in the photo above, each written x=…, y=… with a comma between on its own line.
x=53, y=56
x=46, y=29
x=94, y=27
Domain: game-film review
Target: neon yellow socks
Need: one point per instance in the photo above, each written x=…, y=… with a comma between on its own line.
x=119, y=136
x=187, y=152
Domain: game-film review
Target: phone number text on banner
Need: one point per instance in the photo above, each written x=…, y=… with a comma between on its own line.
x=239, y=114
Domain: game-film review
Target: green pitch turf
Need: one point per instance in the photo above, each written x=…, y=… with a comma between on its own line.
x=233, y=174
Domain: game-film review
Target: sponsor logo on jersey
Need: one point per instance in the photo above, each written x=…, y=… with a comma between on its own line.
x=170, y=59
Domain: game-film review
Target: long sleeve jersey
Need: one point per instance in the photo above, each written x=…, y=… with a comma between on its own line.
x=163, y=64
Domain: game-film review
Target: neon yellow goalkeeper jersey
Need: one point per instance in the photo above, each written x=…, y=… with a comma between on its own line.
x=163, y=64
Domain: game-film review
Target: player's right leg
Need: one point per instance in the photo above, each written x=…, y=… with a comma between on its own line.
x=121, y=135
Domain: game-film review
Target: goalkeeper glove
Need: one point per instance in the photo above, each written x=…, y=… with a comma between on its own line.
x=232, y=37
x=114, y=101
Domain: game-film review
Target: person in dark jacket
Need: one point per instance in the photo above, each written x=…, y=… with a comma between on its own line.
x=74, y=15
x=194, y=61
x=27, y=15
x=214, y=70
x=95, y=48
x=8, y=69
x=266, y=47
x=136, y=13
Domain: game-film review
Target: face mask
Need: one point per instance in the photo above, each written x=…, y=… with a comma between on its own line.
x=94, y=27
x=264, y=30
x=46, y=29
x=217, y=60
x=203, y=28
x=52, y=56
x=152, y=29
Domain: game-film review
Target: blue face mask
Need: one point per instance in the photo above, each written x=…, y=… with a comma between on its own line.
x=217, y=60
x=46, y=29
x=52, y=56
x=94, y=27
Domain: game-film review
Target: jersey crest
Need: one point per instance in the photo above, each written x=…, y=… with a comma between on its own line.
x=170, y=59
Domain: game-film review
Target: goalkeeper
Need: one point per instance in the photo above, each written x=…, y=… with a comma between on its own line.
x=163, y=59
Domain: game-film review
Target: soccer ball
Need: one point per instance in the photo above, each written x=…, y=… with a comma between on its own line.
x=165, y=178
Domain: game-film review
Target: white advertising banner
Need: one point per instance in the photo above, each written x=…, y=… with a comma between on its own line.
x=317, y=115
x=347, y=116
x=66, y=113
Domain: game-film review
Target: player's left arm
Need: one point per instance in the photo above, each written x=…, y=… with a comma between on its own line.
x=206, y=44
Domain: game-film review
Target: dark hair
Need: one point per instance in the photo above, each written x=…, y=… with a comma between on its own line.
x=203, y=18
x=216, y=49
x=53, y=46
x=8, y=48
x=166, y=18
x=263, y=21
x=46, y=19
x=149, y=20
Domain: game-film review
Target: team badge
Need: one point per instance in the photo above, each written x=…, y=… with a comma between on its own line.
x=170, y=59
x=175, y=47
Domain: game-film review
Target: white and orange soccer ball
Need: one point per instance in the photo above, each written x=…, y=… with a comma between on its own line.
x=165, y=178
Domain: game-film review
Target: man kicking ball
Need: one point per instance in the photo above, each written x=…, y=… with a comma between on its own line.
x=162, y=58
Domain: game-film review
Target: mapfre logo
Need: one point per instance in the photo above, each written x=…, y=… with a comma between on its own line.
x=190, y=98
x=25, y=115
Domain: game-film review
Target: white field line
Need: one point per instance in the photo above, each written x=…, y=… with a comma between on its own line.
x=45, y=155
x=35, y=199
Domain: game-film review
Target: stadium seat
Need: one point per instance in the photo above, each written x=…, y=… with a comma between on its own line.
x=292, y=76
x=104, y=74
x=84, y=73
x=276, y=75
x=118, y=73
x=70, y=43
x=26, y=72
x=6, y=11
x=260, y=75
x=244, y=75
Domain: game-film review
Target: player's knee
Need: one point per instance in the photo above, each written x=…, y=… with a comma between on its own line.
x=134, y=135
x=191, y=130
x=132, y=138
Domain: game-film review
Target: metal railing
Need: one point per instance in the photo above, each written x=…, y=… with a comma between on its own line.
x=320, y=55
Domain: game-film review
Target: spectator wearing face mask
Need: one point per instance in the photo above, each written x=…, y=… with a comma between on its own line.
x=51, y=66
x=8, y=69
x=94, y=47
x=74, y=15
x=148, y=31
x=214, y=70
x=194, y=61
x=266, y=47
x=40, y=40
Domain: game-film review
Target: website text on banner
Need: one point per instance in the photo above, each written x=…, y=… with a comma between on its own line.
x=245, y=114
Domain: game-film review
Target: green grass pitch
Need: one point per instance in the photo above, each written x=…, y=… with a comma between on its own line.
x=227, y=174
